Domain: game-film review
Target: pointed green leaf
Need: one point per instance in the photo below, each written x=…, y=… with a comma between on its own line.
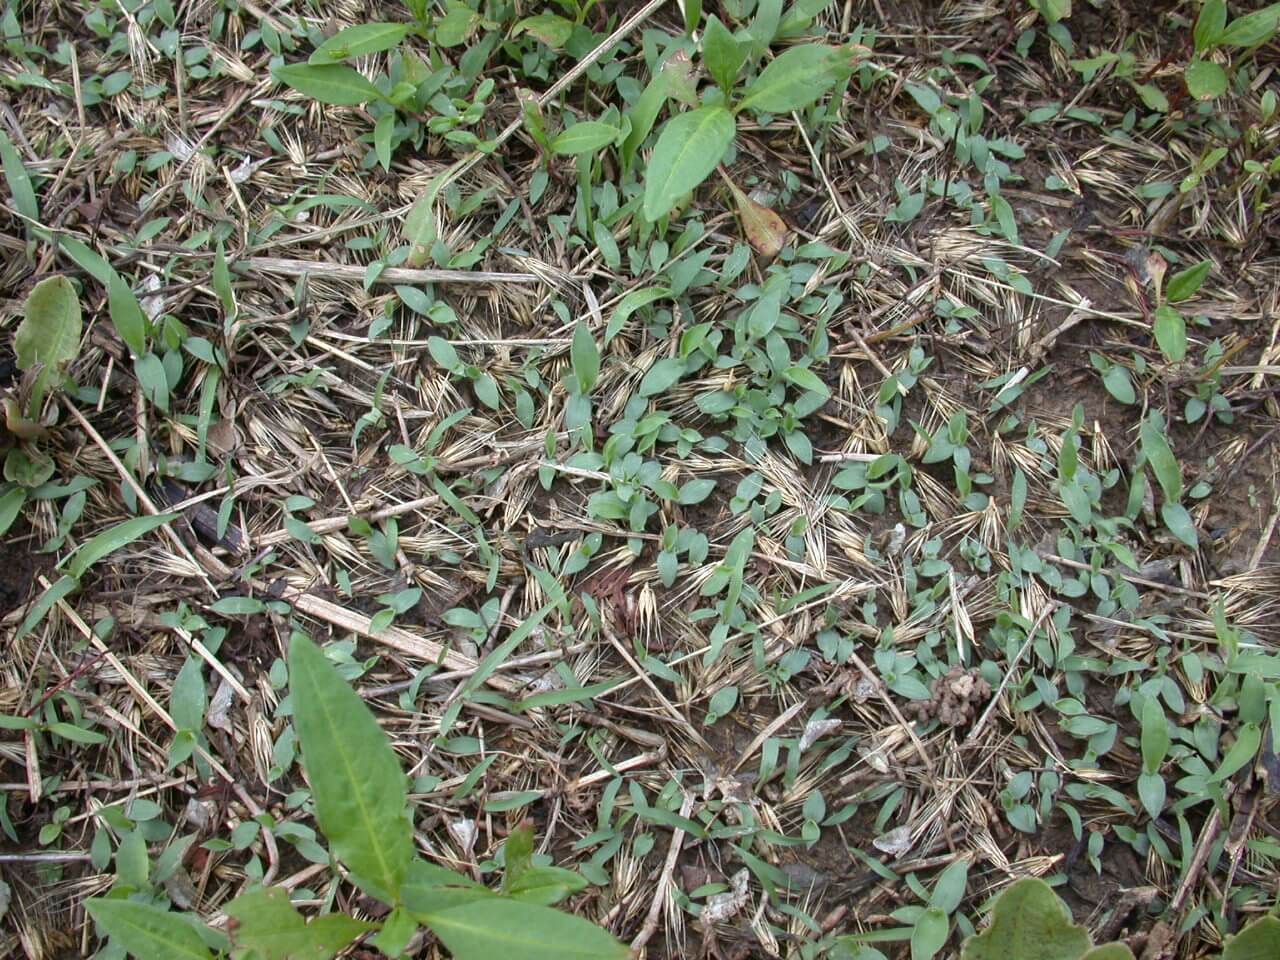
x=10, y=504
x=1155, y=735
x=688, y=149
x=49, y=334
x=722, y=54
x=359, y=789
x=660, y=376
x=360, y=41
x=1180, y=524
x=1253, y=28
x=642, y=115
x=628, y=305
x=1029, y=922
x=511, y=928
x=1208, y=30
x=126, y=315
x=1184, y=284
x=949, y=889
x=590, y=136
x=147, y=932
x=930, y=934
x=44, y=603
x=1248, y=739
x=24, y=194
x=109, y=541
x=1155, y=446
x=420, y=228
x=805, y=378
x=795, y=79
x=331, y=83
x=586, y=357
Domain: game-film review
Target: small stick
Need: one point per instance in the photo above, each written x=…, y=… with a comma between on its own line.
x=660, y=893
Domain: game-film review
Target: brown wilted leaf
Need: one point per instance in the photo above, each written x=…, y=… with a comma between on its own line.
x=765, y=230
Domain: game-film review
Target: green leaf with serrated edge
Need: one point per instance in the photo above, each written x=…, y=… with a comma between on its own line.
x=722, y=54
x=49, y=335
x=1184, y=284
x=267, y=923
x=1029, y=922
x=590, y=136
x=1155, y=446
x=688, y=149
x=126, y=315
x=109, y=541
x=146, y=931
x=512, y=928
x=1258, y=941
x=333, y=83
x=629, y=304
x=360, y=41
x=24, y=194
x=359, y=790
x=795, y=79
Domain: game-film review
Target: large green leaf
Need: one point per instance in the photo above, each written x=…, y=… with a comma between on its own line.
x=359, y=41
x=1258, y=941
x=498, y=927
x=49, y=334
x=687, y=150
x=272, y=928
x=148, y=932
x=109, y=541
x=332, y=83
x=794, y=80
x=1029, y=922
x=359, y=789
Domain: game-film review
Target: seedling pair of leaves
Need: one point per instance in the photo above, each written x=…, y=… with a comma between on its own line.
x=361, y=806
